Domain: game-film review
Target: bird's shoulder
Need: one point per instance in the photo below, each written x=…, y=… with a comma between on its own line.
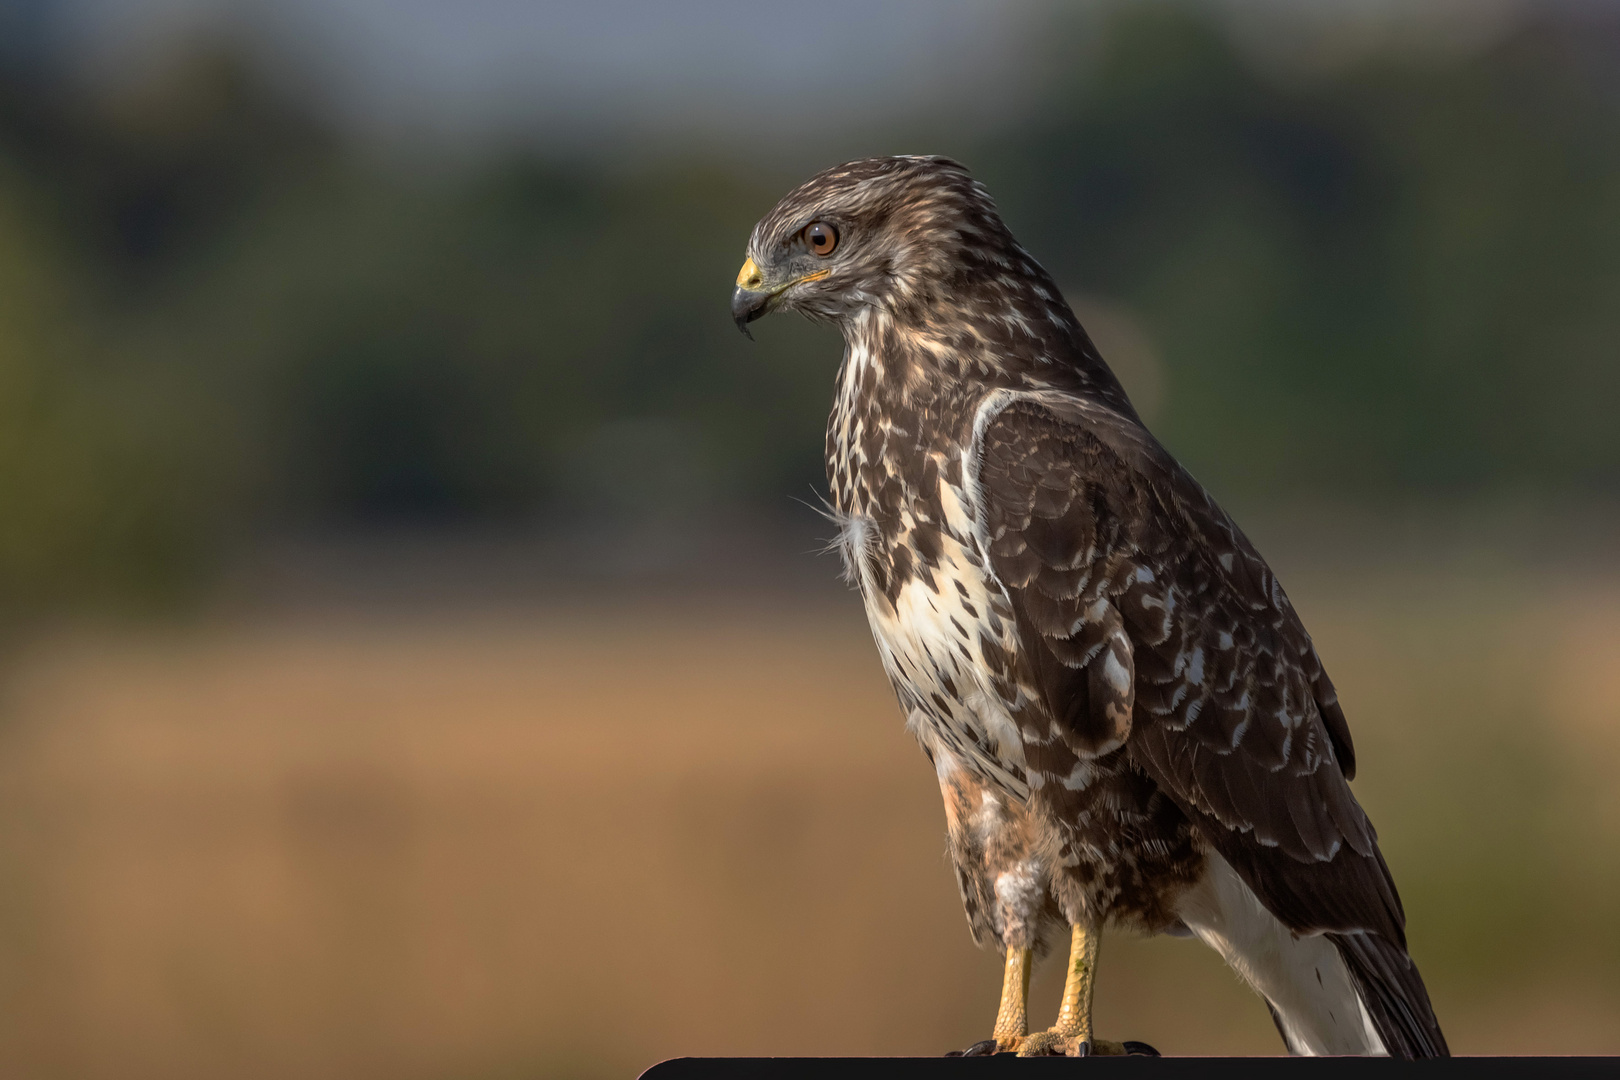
x=1066, y=464
x=1067, y=485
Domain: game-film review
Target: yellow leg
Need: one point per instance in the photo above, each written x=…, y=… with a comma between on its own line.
x=1074, y=1017
x=1073, y=1029
x=1012, y=1018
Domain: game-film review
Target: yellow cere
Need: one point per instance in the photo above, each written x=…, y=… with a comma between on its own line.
x=749, y=276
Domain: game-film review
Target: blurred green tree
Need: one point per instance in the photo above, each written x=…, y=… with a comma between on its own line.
x=93, y=494
x=1397, y=278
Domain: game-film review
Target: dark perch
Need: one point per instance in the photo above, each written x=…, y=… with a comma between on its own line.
x=1006, y=1065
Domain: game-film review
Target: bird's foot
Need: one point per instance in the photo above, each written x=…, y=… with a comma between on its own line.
x=1055, y=1043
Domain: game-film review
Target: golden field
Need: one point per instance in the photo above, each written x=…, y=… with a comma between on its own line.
x=573, y=837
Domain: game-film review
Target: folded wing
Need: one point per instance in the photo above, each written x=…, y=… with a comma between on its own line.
x=1147, y=620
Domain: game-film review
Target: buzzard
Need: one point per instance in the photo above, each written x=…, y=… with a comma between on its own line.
x=1129, y=723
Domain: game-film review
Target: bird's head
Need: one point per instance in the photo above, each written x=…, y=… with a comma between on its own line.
x=891, y=233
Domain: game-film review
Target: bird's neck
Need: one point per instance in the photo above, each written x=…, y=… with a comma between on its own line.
x=958, y=348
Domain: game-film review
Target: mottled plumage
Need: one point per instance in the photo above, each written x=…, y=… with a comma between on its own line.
x=1129, y=723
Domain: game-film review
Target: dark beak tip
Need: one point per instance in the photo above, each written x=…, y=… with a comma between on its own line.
x=746, y=306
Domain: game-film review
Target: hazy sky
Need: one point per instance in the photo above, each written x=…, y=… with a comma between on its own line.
x=729, y=69
x=711, y=65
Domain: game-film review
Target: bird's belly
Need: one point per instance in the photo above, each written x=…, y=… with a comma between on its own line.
x=1110, y=845
x=934, y=638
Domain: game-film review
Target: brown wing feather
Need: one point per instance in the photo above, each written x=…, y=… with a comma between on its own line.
x=1109, y=550
x=1112, y=554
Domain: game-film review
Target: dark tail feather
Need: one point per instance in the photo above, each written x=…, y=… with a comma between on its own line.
x=1393, y=992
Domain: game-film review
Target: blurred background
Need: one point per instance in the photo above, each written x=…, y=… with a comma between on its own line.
x=415, y=659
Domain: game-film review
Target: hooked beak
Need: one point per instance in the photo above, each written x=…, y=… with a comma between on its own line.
x=752, y=297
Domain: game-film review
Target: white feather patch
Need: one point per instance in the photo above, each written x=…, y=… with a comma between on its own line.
x=1302, y=976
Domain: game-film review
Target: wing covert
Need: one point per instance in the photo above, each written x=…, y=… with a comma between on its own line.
x=1146, y=619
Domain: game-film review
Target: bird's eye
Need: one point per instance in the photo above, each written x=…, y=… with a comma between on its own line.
x=821, y=238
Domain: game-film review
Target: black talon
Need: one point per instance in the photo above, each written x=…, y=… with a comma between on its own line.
x=1085, y=1048
x=1140, y=1049
x=982, y=1048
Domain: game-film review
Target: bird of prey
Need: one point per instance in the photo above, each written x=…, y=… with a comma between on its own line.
x=1129, y=723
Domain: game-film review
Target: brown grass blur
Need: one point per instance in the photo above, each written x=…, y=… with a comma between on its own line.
x=575, y=838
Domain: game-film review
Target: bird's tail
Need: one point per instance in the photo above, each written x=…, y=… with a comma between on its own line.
x=1388, y=983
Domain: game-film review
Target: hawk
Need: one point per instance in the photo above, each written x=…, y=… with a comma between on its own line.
x=1129, y=723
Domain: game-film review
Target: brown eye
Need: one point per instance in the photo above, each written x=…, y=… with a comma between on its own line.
x=821, y=238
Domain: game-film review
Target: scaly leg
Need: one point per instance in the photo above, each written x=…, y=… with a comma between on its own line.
x=1012, y=1018
x=1071, y=1035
